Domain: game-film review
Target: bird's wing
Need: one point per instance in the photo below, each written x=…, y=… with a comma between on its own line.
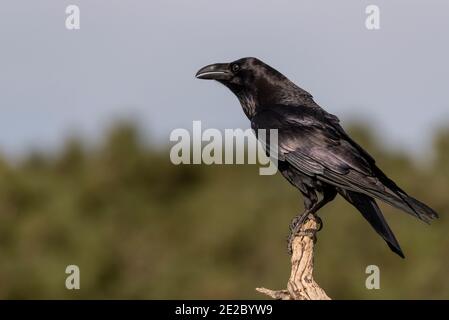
x=315, y=147
x=313, y=142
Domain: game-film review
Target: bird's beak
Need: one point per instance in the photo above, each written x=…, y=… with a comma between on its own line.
x=217, y=71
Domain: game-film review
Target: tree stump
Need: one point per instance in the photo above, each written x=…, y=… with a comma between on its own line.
x=301, y=285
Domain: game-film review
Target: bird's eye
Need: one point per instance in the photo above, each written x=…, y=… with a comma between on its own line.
x=235, y=68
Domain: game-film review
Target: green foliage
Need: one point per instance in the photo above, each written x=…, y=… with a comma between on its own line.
x=140, y=227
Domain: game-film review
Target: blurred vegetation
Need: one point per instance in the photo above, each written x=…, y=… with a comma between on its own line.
x=140, y=227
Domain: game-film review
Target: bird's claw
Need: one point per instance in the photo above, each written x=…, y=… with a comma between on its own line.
x=295, y=230
x=319, y=223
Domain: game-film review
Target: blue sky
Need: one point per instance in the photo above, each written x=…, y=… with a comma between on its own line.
x=136, y=59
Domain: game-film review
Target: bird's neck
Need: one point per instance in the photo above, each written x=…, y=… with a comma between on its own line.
x=278, y=95
x=249, y=104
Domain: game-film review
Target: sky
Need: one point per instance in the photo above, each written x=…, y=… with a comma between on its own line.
x=136, y=60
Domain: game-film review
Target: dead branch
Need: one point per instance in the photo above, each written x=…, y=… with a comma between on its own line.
x=301, y=285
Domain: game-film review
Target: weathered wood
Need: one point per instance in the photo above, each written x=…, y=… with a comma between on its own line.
x=301, y=285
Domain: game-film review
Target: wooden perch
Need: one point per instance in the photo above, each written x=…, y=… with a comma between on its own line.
x=301, y=285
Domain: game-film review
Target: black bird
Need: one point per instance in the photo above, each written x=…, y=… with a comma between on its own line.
x=314, y=153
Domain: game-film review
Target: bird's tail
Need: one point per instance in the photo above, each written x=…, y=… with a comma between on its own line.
x=401, y=200
x=371, y=212
x=415, y=208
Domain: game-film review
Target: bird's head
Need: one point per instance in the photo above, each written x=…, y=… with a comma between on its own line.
x=251, y=80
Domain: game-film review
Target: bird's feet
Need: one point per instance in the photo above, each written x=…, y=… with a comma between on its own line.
x=295, y=229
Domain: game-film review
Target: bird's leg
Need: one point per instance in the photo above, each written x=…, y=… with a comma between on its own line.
x=328, y=195
x=298, y=220
x=295, y=227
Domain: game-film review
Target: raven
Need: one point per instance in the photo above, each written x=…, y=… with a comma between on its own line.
x=314, y=153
